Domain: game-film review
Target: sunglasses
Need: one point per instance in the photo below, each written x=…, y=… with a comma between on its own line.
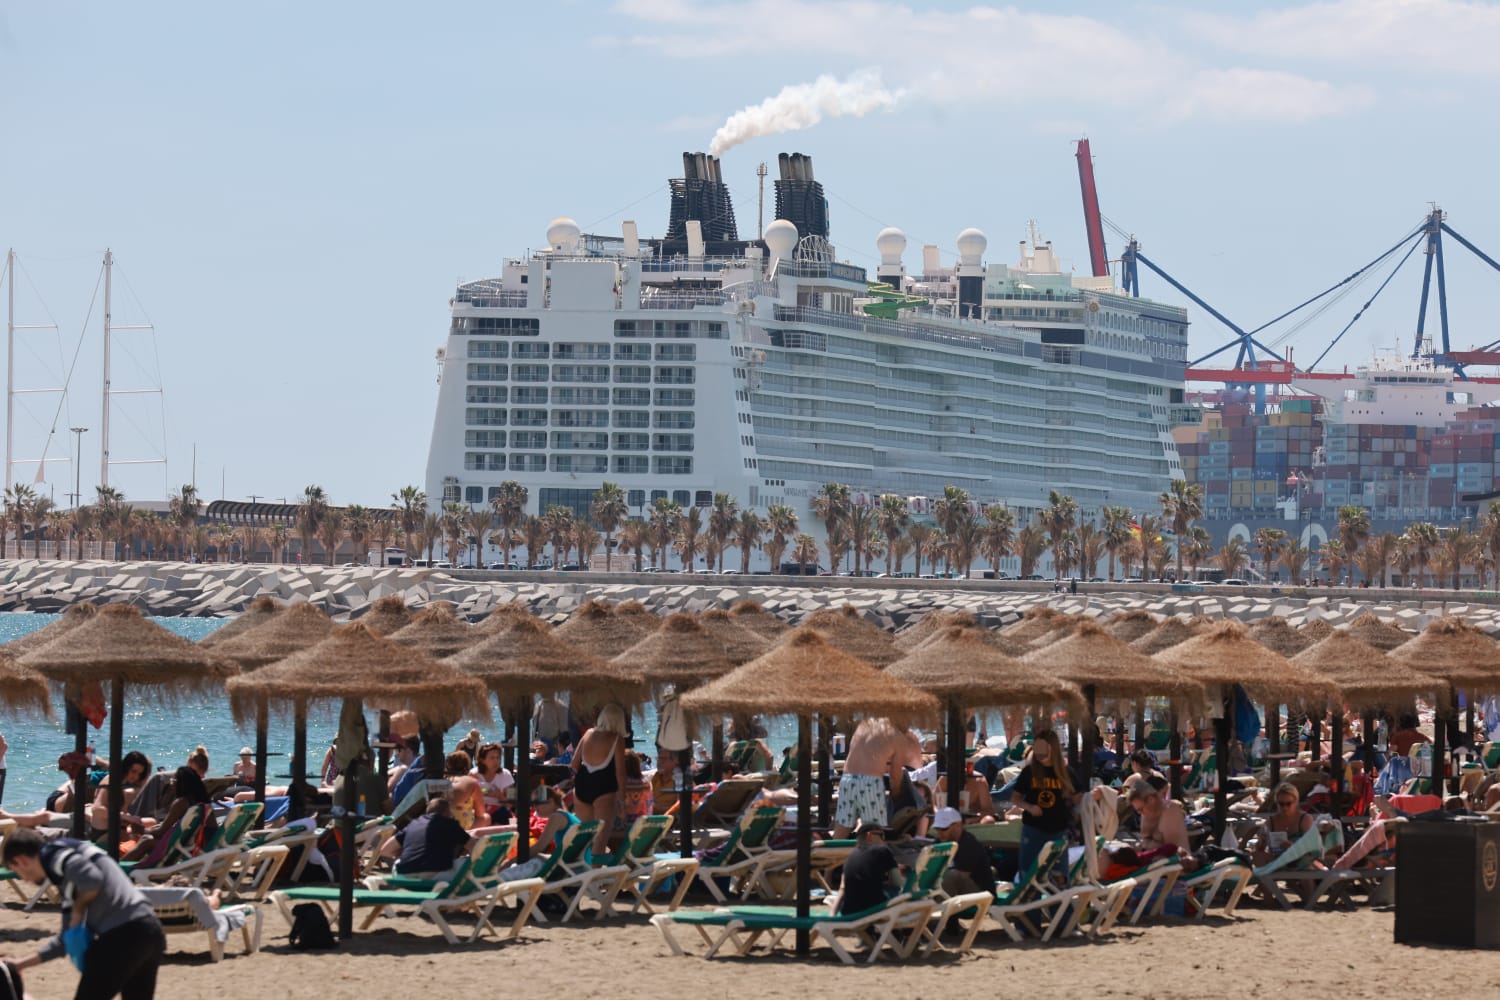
x=1286, y=802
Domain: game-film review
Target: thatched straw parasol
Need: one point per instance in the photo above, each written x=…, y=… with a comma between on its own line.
x=799, y=676
x=502, y=616
x=681, y=652
x=1384, y=636
x=1461, y=656
x=387, y=615
x=1105, y=667
x=74, y=616
x=260, y=611
x=758, y=620
x=22, y=688
x=931, y=623
x=1365, y=676
x=526, y=659
x=988, y=636
x=1036, y=622
x=854, y=634
x=121, y=646
x=1276, y=635
x=1169, y=633
x=1061, y=630
x=960, y=668
x=599, y=630
x=292, y=630
x=740, y=643
x=1317, y=628
x=436, y=632
x=1128, y=626
x=356, y=666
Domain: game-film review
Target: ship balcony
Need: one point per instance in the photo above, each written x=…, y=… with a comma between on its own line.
x=491, y=300
x=661, y=298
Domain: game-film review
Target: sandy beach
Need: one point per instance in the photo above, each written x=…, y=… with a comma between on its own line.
x=1304, y=954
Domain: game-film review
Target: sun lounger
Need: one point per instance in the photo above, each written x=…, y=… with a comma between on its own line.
x=722, y=807
x=739, y=859
x=188, y=910
x=1204, y=885
x=649, y=871
x=568, y=872
x=1312, y=883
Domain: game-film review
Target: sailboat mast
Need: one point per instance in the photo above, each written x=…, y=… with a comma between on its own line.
x=10, y=361
x=109, y=263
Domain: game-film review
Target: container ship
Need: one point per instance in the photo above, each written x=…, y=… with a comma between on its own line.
x=699, y=362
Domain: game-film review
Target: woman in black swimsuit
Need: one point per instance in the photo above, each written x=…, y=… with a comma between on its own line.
x=599, y=773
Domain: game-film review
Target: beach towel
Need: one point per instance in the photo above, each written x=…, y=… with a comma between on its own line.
x=1374, y=837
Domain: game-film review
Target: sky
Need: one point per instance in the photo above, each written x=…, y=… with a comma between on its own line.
x=291, y=191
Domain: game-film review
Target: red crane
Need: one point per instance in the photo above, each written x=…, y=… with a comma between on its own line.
x=1091, y=218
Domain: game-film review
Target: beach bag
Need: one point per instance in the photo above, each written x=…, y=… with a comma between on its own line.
x=310, y=928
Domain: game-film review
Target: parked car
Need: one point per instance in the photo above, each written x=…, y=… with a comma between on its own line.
x=1232, y=582
x=1034, y=576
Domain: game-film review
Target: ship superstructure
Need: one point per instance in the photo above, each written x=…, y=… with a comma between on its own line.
x=701, y=363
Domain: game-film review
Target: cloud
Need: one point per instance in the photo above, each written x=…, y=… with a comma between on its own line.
x=1062, y=65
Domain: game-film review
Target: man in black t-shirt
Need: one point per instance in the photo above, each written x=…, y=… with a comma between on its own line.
x=433, y=842
x=971, y=869
x=867, y=873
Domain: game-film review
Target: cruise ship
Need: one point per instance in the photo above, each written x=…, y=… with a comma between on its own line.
x=699, y=362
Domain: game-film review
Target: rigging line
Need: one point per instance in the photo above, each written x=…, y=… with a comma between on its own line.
x=605, y=218
x=160, y=386
x=1372, y=298
x=74, y=365
x=1399, y=244
x=120, y=270
x=61, y=361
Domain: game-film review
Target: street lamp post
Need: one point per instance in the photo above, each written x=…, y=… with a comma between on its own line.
x=78, y=433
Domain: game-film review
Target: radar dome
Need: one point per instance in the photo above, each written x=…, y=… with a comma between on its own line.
x=563, y=233
x=781, y=238
x=971, y=244
x=891, y=242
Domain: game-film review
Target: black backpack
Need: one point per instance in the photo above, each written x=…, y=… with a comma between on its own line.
x=310, y=928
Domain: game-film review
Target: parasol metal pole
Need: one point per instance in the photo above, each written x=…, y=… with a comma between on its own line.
x=1174, y=751
x=80, y=776
x=116, y=763
x=685, y=800
x=804, y=832
x=383, y=760
x=716, y=761
x=1273, y=741
x=1336, y=762
x=1221, y=765
x=349, y=800
x=523, y=781
x=954, y=765
x=262, y=750
x=297, y=807
x=825, y=771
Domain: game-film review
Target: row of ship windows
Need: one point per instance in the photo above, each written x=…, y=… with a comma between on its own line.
x=672, y=420
x=578, y=397
x=581, y=501
x=579, y=441
x=541, y=351
x=660, y=329
x=480, y=371
x=484, y=461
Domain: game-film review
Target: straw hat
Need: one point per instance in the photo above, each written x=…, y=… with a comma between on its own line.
x=956, y=664
x=741, y=644
x=354, y=662
x=930, y=624
x=681, y=652
x=1365, y=676
x=1384, y=636
x=527, y=658
x=1128, y=626
x=1036, y=622
x=1225, y=655
x=1454, y=651
x=387, y=615
x=1168, y=634
x=599, y=630
x=806, y=674
x=851, y=632
x=74, y=616
x=1279, y=637
x=121, y=644
x=298, y=627
x=260, y=611
x=1091, y=657
x=757, y=619
x=436, y=632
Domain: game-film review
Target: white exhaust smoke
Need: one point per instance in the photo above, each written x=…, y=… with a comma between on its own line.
x=803, y=105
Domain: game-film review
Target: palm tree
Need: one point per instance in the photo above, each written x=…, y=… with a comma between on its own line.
x=509, y=505
x=689, y=536
x=1117, y=534
x=1031, y=542
x=747, y=534
x=37, y=516
x=477, y=523
x=831, y=506
x=1181, y=505
x=560, y=523
x=664, y=517
x=1153, y=547
x=534, y=534
x=1269, y=542
x=781, y=522
x=311, y=510
x=1293, y=559
x=1354, y=528
x=609, y=508
x=895, y=518
x=1421, y=540
x=1335, y=558
x=999, y=538
x=277, y=537
x=633, y=535
x=130, y=526
x=224, y=538
x=82, y=525
x=1371, y=562
x=1198, y=546
x=1057, y=520
x=382, y=527
x=587, y=538
x=964, y=543
x=1232, y=558
x=722, y=518
x=17, y=501
x=1489, y=530
x=895, y=552
x=1090, y=547
x=107, y=500
x=183, y=508
x=804, y=551
x=411, y=508
x=950, y=511
x=249, y=537
x=359, y=523
x=454, y=517
x=1458, y=547
x=863, y=527
x=1386, y=544
x=331, y=533
x=923, y=538
x=431, y=533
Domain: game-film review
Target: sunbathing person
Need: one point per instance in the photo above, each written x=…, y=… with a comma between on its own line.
x=1163, y=823
x=432, y=844
x=494, y=781
x=466, y=795
x=1285, y=825
x=862, y=796
x=137, y=770
x=548, y=822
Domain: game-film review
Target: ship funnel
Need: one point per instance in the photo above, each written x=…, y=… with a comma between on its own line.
x=701, y=196
x=799, y=196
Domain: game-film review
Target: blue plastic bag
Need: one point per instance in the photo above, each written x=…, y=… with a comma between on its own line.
x=76, y=941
